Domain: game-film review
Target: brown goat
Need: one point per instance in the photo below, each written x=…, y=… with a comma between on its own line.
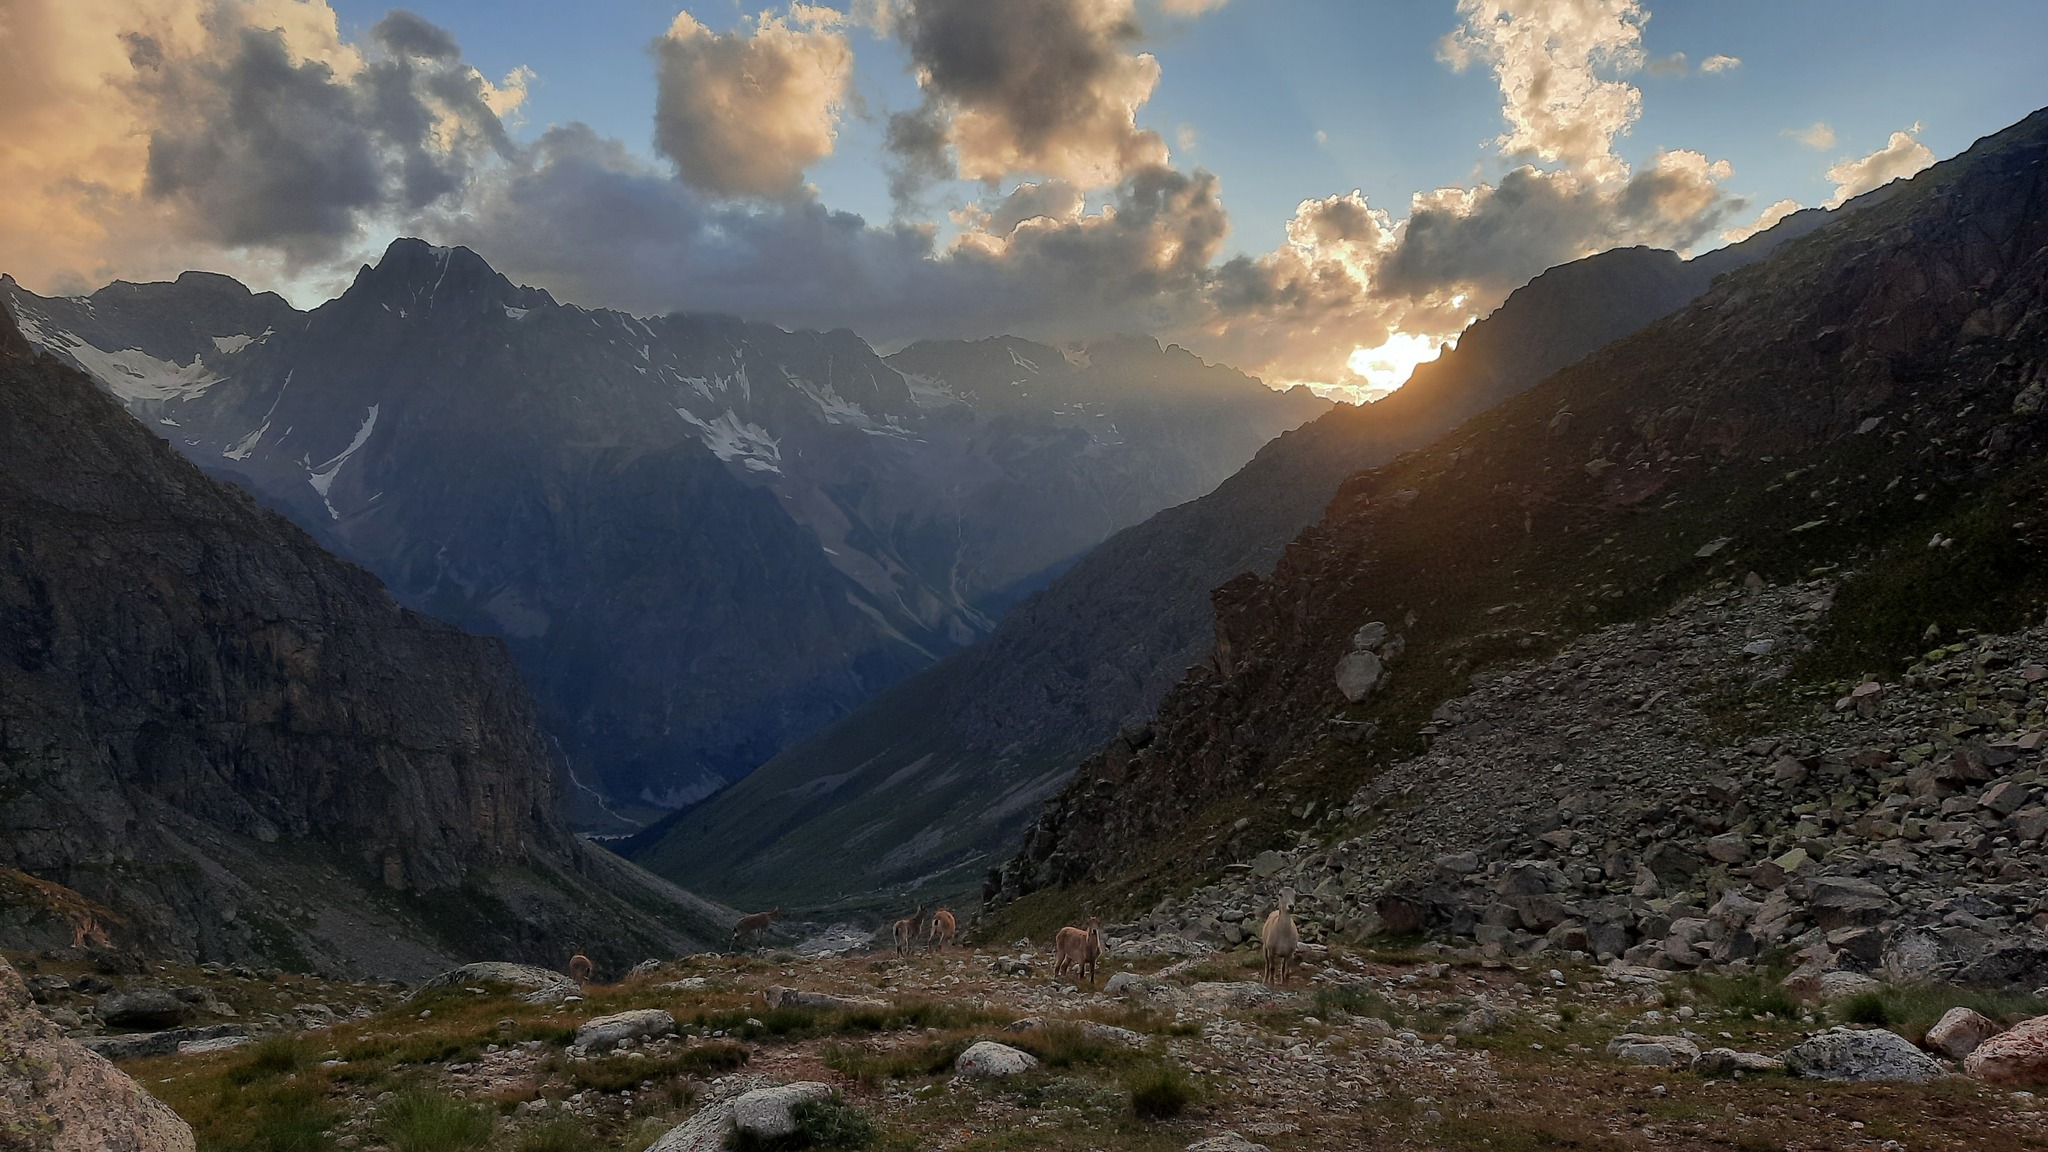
x=1279, y=939
x=1079, y=949
x=907, y=930
x=579, y=968
x=942, y=929
x=754, y=925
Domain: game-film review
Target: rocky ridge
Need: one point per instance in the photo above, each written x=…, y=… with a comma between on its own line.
x=1566, y=806
x=219, y=742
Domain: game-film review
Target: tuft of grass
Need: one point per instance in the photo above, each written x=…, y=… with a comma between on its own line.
x=270, y=1058
x=1160, y=1091
x=1353, y=1000
x=426, y=1122
x=560, y=1135
x=1064, y=1045
x=1911, y=1009
x=827, y=1123
x=615, y=1073
x=265, y=1117
x=925, y=1058
x=1758, y=995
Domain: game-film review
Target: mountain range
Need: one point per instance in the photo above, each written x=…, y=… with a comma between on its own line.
x=218, y=742
x=1863, y=408
x=703, y=539
x=926, y=786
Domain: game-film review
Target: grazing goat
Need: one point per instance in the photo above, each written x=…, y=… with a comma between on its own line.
x=754, y=925
x=907, y=930
x=579, y=968
x=941, y=931
x=1279, y=939
x=1078, y=949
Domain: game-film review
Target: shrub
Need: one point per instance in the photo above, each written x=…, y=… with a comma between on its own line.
x=1160, y=1091
x=270, y=1058
x=422, y=1122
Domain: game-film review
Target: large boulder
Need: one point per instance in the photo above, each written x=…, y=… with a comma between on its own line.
x=605, y=1033
x=141, y=1008
x=988, y=1058
x=57, y=1096
x=776, y=996
x=1960, y=1031
x=541, y=985
x=2016, y=1056
x=766, y=1113
x=1862, y=1057
x=1654, y=1051
x=1847, y=902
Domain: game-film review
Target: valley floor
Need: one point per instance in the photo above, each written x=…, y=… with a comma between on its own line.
x=1426, y=1049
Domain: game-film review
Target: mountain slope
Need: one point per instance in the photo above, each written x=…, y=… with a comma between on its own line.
x=922, y=785
x=1848, y=404
x=704, y=539
x=239, y=746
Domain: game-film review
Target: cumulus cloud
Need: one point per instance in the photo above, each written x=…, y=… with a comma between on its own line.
x=1042, y=87
x=1766, y=219
x=146, y=136
x=1559, y=64
x=1718, y=63
x=1819, y=135
x=745, y=113
x=1902, y=155
x=1190, y=7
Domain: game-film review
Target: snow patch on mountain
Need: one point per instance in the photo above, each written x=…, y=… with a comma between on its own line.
x=733, y=439
x=322, y=478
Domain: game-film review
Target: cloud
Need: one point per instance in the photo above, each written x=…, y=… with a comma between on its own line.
x=1718, y=63
x=1819, y=135
x=1766, y=219
x=1026, y=87
x=745, y=113
x=1190, y=7
x=1675, y=64
x=1902, y=155
x=1558, y=63
x=148, y=136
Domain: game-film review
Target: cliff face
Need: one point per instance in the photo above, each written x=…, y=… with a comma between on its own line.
x=223, y=735
x=1864, y=387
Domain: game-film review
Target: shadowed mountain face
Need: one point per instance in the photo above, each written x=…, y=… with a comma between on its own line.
x=1868, y=402
x=228, y=744
x=925, y=785
x=703, y=539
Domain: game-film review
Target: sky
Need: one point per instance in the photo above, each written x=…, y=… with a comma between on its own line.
x=1317, y=191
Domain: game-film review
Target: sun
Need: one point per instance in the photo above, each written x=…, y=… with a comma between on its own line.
x=1386, y=367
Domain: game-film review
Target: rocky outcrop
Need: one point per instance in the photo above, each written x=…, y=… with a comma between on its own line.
x=1799, y=416
x=604, y=1033
x=219, y=741
x=2016, y=1056
x=56, y=1096
x=1862, y=1057
x=1961, y=1031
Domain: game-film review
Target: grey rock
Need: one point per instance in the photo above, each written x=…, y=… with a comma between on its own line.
x=779, y=997
x=1869, y=1056
x=541, y=985
x=137, y=1045
x=141, y=1008
x=1654, y=1051
x=1358, y=674
x=62, y=1097
x=987, y=1058
x=1960, y=1031
x=604, y=1033
x=1728, y=1061
x=765, y=1113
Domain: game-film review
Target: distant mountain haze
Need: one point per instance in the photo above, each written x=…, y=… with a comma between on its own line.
x=704, y=539
x=921, y=786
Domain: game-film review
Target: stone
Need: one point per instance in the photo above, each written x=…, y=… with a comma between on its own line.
x=765, y=1113
x=141, y=1008
x=1654, y=1051
x=2016, y=1056
x=542, y=985
x=1228, y=1142
x=1358, y=674
x=1960, y=1031
x=1844, y=902
x=776, y=996
x=605, y=1033
x=1728, y=1061
x=1869, y=1056
x=1369, y=637
x=2006, y=797
x=1267, y=863
x=1728, y=848
x=990, y=1059
x=1130, y=983
x=137, y=1045
x=76, y=1100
